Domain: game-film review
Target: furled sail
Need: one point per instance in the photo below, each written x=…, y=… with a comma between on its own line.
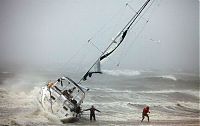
x=121, y=36
x=115, y=42
x=98, y=66
x=96, y=70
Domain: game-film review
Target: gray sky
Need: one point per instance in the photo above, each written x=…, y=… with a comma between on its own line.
x=48, y=32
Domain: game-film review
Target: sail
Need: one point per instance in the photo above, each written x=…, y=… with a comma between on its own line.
x=97, y=69
x=114, y=45
x=115, y=42
x=98, y=66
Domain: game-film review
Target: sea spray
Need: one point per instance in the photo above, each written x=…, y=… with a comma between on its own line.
x=121, y=72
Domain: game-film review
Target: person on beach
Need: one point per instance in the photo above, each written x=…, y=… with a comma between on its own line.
x=145, y=113
x=92, y=112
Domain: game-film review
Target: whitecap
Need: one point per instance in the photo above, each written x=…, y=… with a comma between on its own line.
x=122, y=72
x=171, y=77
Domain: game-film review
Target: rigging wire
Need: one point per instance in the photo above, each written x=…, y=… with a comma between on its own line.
x=99, y=31
x=134, y=41
x=104, y=25
x=139, y=19
x=137, y=36
x=69, y=60
x=123, y=33
x=96, y=47
x=118, y=15
x=83, y=60
x=113, y=30
x=143, y=15
x=103, y=28
x=89, y=40
x=135, y=11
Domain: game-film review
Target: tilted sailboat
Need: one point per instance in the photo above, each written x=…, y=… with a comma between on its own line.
x=64, y=97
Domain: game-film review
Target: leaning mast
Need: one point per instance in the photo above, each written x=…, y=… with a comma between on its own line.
x=114, y=43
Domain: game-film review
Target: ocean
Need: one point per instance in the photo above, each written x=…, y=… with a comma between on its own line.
x=120, y=95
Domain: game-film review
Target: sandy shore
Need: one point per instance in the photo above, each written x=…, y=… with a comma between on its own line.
x=194, y=122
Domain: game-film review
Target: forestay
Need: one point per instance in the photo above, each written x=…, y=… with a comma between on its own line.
x=115, y=43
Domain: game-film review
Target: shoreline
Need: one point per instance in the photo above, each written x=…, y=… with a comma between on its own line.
x=188, y=122
x=86, y=122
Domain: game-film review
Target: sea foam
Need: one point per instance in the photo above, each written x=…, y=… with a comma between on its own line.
x=171, y=77
x=122, y=72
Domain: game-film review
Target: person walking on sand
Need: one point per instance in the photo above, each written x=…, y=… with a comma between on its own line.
x=145, y=113
x=92, y=112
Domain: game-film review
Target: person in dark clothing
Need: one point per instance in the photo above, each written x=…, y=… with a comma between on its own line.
x=145, y=113
x=67, y=94
x=92, y=112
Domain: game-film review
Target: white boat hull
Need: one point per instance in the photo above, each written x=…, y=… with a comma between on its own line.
x=53, y=100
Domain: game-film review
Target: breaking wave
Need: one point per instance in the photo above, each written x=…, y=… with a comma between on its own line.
x=174, y=100
x=189, y=92
x=122, y=72
x=145, y=74
x=171, y=77
x=20, y=108
x=176, y=109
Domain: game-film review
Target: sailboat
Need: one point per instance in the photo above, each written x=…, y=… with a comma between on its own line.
x=64, y=97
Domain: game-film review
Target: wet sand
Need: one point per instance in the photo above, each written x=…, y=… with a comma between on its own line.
x=195, y=122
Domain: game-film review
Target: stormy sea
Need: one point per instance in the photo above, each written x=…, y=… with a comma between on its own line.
x=120, y=95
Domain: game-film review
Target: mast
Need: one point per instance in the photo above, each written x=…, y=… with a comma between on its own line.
x=114, y=42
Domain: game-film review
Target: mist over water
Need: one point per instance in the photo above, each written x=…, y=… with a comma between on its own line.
x=46, y=35
x=121, y=97
x=41, y=41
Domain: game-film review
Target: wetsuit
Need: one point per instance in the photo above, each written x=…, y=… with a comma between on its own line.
x=145, y=113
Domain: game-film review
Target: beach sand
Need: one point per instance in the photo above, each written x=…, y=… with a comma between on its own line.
x=194, y=122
